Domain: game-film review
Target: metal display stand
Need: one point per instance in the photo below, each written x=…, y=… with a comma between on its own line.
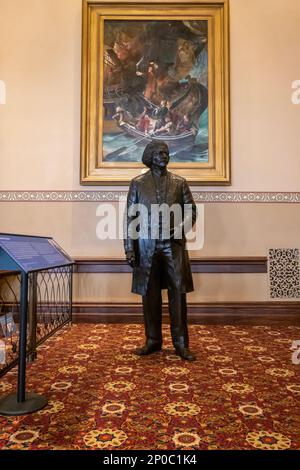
x=29, y=255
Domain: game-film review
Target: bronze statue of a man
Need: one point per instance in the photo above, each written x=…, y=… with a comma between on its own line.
x=156, y=251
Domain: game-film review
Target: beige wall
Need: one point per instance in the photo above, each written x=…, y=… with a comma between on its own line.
x=230, y=230
x=108, y=288
x=40, y=62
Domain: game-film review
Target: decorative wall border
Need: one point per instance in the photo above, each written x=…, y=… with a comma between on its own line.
x=207, y=197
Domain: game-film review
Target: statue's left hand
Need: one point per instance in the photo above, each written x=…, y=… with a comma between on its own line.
x=130, y=258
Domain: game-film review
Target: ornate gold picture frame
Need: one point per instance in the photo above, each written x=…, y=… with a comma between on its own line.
x=155, y=70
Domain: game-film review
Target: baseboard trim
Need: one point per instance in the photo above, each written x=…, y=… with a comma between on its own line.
x=205, y=312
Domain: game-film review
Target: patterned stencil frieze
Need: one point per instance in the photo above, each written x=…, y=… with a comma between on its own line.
x=114, y=195
x=284, y=273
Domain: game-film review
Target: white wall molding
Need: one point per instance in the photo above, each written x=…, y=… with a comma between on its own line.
x=212, y=197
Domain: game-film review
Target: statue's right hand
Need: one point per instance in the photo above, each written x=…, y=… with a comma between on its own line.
x=130, y=258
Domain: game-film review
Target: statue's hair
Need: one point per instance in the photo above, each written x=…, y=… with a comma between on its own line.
x=149, y=149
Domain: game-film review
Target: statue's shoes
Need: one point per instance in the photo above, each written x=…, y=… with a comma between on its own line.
x=185, y=354
x=148, y=348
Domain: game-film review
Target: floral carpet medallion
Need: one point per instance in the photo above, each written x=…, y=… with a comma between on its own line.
x=243, y=391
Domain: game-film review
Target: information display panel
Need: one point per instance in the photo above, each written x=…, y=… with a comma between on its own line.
x=34, y=253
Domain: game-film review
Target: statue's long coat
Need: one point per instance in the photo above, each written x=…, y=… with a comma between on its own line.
x=143, y=191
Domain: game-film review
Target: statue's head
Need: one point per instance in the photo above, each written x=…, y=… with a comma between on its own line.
x=156, y=153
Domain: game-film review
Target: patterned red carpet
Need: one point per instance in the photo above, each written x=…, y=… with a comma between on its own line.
x=243, y=392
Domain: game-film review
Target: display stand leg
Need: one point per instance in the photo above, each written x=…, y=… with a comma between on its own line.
x=32, y=317
x=22, y=402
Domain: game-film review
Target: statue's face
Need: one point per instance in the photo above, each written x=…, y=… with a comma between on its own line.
x=160, y=158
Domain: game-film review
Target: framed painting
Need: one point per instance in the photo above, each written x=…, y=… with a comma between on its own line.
x=155, y=70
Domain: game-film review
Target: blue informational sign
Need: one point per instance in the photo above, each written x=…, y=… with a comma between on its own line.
x=33, y=253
